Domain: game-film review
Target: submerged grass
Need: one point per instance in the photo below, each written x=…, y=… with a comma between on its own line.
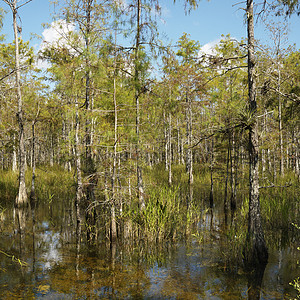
x=165, y=217
x=174, y=212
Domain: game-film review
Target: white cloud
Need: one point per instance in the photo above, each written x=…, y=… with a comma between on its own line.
x=209, y=48
x=56, y=35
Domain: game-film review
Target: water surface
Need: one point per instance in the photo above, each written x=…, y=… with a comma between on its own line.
x=56, y=266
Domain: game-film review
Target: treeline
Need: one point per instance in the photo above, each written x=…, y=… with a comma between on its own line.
x=116, y=101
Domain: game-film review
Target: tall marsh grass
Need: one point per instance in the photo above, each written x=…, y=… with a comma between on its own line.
x=166, y=215
x=50, y=183
x=280, y=203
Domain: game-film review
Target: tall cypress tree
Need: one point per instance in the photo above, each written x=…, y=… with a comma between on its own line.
x=256, y=251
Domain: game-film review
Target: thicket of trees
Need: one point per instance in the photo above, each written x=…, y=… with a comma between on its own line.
x=122, y=102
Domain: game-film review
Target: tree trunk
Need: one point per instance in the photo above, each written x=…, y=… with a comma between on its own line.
x=226, y=179
x=211, y=193
x=255, y=251
x=166, y=142
x=14, y=158
x=89, y=166
x=79, y=188
x=32, y=192
x=170, y=150
x=22, y=198
x=280, y=126
x=140, y=185
x=189, y=152
x=178, y=143
x=51, y=154
x=234, y=162
x=89, y=163
x=113, y=233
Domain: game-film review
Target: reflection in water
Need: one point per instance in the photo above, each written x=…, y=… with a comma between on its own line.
x=254, y=282
x=62, y=267
x=22, y=216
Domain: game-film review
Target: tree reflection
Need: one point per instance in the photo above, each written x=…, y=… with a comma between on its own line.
x=254, y=282
x=22, y=217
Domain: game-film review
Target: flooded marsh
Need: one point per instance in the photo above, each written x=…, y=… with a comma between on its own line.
x=46, y=260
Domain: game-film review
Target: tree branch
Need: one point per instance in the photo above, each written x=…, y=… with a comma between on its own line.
x=22, y=4
x=275, y=186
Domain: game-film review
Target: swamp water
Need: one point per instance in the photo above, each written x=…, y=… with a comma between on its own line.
x=48, y=262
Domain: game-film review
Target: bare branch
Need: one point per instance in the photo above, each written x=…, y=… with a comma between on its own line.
x=23, y=4
x=275, y=186
x=9, y=4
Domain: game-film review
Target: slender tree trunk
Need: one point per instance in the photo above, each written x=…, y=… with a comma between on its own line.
x=22, y=198
x=166, y=142
x=211, y=194
x=226, y=180
x=89, y=164
x=234, y=180
x=51, y=154
x=79, y=186
x=256, y=251
x=189, y=152
x=274, y=164
x=170, y=149
x=14, y=158
x=280, y=126
x=178, y=143
x=113, y=234
x=89, y=167
x=287, y=165
x=33, y=164
x=140, y=185
x=263, y=151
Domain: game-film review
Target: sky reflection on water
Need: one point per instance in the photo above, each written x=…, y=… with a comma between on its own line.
x=185, y=270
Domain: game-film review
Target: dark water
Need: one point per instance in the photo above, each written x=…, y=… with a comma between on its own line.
x=56, y=266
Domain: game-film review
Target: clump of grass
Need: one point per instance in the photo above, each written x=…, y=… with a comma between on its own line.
x=54, y=182
x=159, y=218
x=164, y=217
x=8, y=186
x=280, y=201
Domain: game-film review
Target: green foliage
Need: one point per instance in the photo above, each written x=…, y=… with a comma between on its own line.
x=188, y=49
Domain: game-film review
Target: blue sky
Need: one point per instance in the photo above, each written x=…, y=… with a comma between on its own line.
x=206, y=24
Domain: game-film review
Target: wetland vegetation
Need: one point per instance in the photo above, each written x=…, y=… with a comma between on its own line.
x=119, y=183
